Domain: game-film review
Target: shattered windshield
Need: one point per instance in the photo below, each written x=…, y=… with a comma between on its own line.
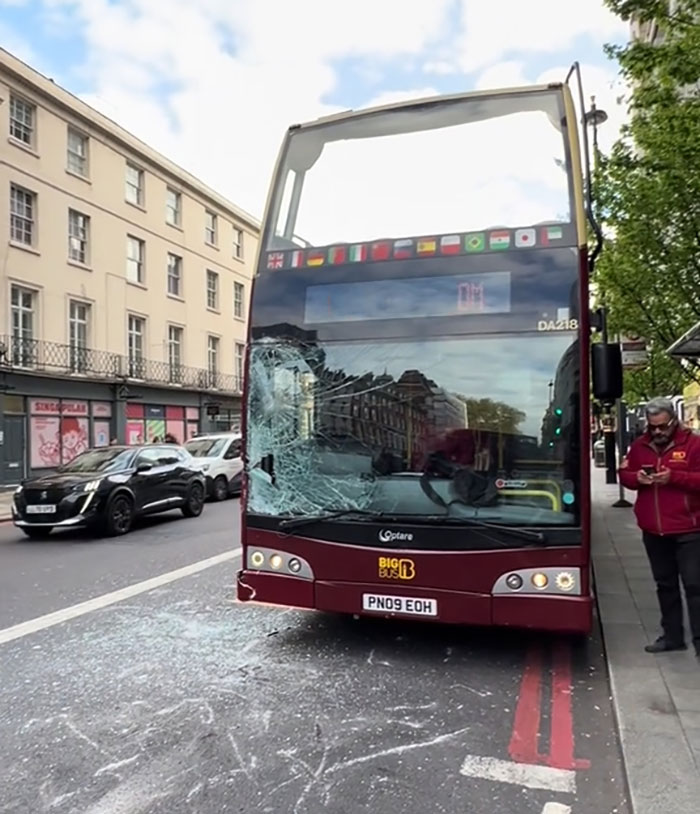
x=481, y=426
x=452, y=165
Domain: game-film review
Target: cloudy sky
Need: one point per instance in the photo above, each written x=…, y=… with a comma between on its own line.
x=213, y=84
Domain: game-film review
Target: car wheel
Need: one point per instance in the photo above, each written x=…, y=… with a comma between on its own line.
x=194, y=502
x=36, y=533
x=220, y=490
x=120, y=515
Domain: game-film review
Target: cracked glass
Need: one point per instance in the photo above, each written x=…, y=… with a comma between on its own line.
x=459, y=425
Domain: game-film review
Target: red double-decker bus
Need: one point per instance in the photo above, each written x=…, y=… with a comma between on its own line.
x=416, y=416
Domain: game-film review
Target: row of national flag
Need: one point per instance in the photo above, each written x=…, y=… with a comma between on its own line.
x=407, y=248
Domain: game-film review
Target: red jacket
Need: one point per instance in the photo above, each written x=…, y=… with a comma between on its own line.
x=675, y=507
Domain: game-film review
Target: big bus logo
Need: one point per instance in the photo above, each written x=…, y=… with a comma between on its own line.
x=396, y=568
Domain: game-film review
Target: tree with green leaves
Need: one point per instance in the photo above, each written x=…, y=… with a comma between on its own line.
x=648, y=193
x=487, y=414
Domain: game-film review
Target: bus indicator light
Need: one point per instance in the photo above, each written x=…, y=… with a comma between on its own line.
x=540, y=581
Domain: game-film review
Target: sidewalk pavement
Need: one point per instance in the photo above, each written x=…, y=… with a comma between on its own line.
x=5, y=503
x=656, y=698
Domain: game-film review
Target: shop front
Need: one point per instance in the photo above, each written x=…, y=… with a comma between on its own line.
x=60, y=429
x=149, y=423
x=46, y=422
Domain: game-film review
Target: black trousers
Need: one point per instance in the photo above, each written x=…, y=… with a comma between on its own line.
x=671, y=557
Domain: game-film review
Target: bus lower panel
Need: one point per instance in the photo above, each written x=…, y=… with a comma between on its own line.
x=565, y=614
x=562, y=614
x=275, y=589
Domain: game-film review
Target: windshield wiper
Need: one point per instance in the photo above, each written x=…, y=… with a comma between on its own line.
x=514, y=531
x=307, y=519
x=527, y=534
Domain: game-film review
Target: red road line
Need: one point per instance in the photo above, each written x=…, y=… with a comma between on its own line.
x=523, y=747
x=524, y=742
x=561, y=752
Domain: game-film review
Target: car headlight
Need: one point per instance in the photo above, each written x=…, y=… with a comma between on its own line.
x=19, y=489
x=92, y=486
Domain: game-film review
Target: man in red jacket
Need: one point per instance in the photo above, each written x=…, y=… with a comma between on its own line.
x=663, y=466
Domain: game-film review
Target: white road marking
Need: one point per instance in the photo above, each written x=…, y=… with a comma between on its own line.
x=520, y=774
x=556, y=808
x=8, y=634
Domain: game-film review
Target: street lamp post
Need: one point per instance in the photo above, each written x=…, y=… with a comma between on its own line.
x=593, y=118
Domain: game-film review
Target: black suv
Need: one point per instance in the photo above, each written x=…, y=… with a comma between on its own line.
x=107, y=488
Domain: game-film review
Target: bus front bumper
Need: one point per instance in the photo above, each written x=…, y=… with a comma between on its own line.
x=565, y=614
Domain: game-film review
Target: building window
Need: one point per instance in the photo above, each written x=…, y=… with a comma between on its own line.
x=22, y=215
x=210, y=228
x=135, y=250
x=22, y=120
x=213, y=359
x=78, y=233
x=212, y=290
x=78, y=326
x=238, y=243
x=173, y=206
x=238, y=296
x=23, y=306
x=175, y=353
x=136, y=333
x=134, y=185
x=174, y=275
x=77, y=160
x=240, y=357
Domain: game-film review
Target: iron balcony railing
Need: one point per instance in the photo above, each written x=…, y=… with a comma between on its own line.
x=68, y=360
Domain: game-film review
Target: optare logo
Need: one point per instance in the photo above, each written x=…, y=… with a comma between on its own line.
x=389, y=536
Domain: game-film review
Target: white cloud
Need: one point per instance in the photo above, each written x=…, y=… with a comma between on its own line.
x=499, y=28
x=214, y=84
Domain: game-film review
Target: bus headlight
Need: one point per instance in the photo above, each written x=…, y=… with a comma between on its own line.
x=257, y=559
x=514, y=582
x=294, y=565
x=276, y=561
x=565, y=581
x=540, y=581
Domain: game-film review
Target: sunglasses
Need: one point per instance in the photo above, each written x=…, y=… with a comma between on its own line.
x=660, y=427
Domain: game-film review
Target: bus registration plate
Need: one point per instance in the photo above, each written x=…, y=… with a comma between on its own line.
x=411, y=605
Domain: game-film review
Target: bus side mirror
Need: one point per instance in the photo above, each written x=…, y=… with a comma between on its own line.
x=607, y=371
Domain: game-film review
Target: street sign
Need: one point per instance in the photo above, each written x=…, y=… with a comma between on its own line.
x=634, y=351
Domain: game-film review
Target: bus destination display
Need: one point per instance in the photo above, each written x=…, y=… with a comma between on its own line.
x=438, y=296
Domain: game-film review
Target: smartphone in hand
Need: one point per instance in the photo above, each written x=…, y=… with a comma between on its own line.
x=649, y=470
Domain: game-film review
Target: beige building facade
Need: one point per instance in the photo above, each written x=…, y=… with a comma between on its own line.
x=124, y=284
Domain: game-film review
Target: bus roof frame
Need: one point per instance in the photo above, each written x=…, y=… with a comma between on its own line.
x=424, y=101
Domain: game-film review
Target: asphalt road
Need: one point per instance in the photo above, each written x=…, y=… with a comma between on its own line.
x=40, y=576
x=179, y=700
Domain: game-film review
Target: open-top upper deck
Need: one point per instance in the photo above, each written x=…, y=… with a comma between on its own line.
x=465, y=164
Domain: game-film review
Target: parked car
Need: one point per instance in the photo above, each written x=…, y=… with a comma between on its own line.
x=108, y=487
x=219, y=455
